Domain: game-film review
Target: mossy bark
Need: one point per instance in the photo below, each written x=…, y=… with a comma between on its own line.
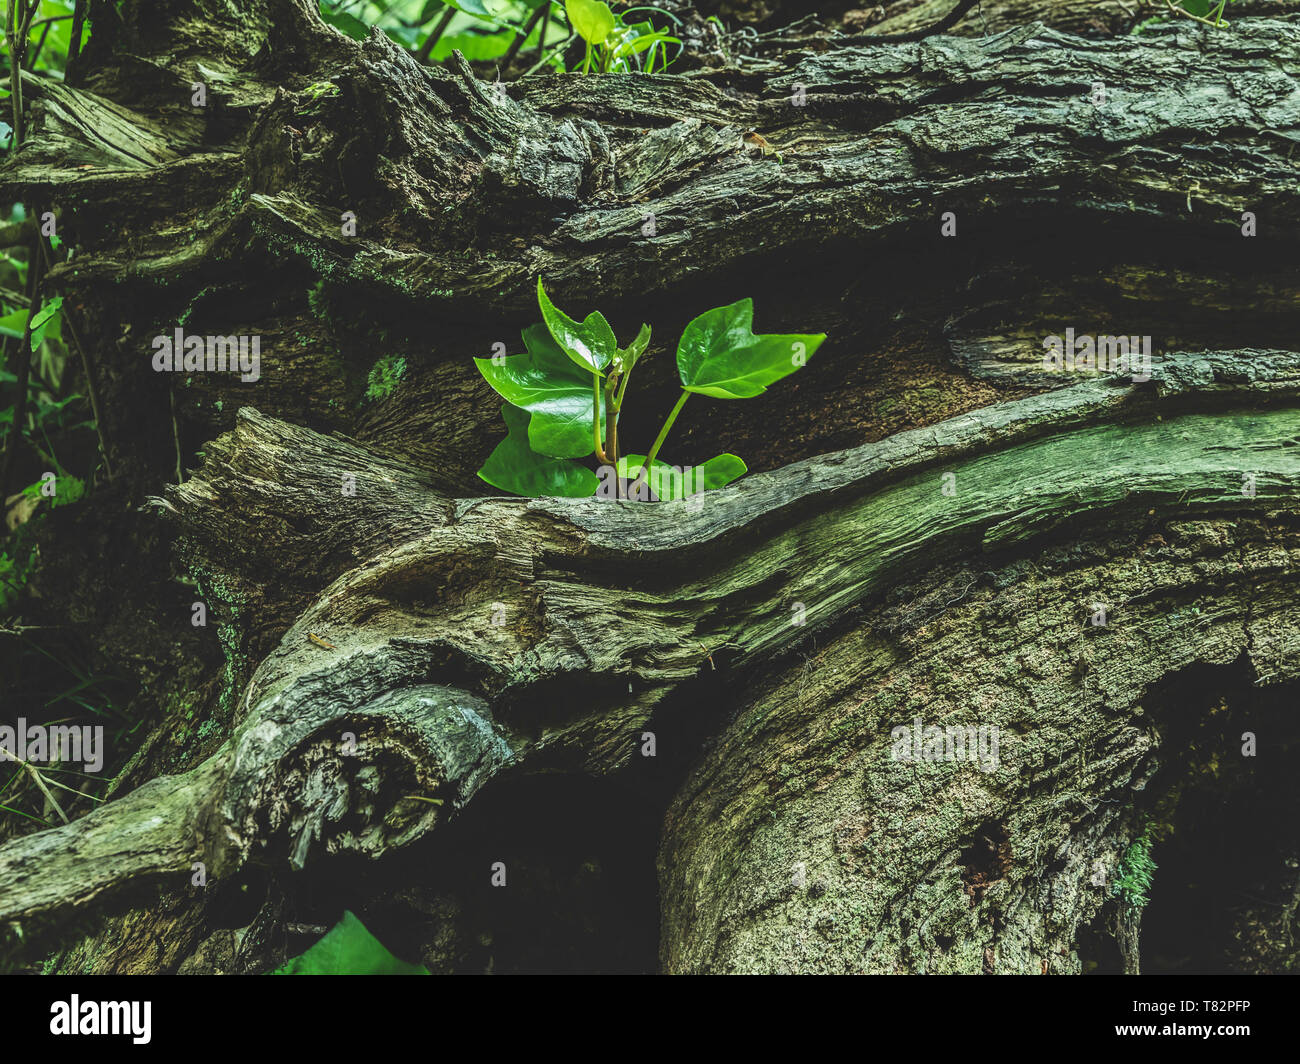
x=622, y=619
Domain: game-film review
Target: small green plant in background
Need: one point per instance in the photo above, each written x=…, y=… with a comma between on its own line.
x=1133, y=875
x=348, y=949
x=485, y=30
x=565, y=394
x=384, y=376
x=615, y=45
x=1209, y=12
x=320, y=89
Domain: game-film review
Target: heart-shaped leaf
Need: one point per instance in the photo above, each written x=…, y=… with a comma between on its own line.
x=670, y=482
x=590, y=343
x=558, y=395
x=591, y=20
x=517, y=468
x=719, y=354
x=348, y=949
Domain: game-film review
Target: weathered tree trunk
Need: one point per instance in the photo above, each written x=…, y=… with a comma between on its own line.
x=392, y=661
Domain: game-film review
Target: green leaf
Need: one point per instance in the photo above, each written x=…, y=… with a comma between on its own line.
x=344, y=23
x=557, y=394
x=47, y=320
x=719, y=354
x=628, y=356
x=590, y=344
x=591, y=20
x=517, y=468
x=348, y=949
x=14, y=324
x=478, y=9
x=70, y=489
x=67, y=489
x=670, y=483
x=1199, y=8
x=471, y=7
x=473, y=46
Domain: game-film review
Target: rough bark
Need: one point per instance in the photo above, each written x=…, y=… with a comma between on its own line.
x=677, y=618
x=504, y=635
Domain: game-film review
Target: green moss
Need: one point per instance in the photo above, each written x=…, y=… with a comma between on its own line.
x=384, y=377
x=318, y=301
x=1134, y=873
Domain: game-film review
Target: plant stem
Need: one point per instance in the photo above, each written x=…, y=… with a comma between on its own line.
x=16, y=56
x=431, y=41
x=595, y=419
x=611, y=422
x=559, y=49
x=622, y=388
x=78, y=25
x=522, y=35
x=92, y=389
x=1178, y=9
x=35, y=265
x=663, y=434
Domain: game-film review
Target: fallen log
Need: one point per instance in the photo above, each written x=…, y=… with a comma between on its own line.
x=457, y=641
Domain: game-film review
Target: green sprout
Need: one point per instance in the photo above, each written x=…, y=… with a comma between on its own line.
x=565, y=394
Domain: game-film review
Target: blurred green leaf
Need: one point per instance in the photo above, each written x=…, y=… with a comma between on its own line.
x=591, y=20
x=344, y=23
x=348, y=949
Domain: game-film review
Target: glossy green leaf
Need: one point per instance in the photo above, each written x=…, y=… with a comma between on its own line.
x=547, y=384
x=590, y=343
x=591, y=20
x=670, y=483
x=628, y=356
x=719, y=354
x=517, y=468
x=348, y=949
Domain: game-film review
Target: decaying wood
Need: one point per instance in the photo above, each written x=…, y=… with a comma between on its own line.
x=393, y=644
x=510, y=635
x=464, y=194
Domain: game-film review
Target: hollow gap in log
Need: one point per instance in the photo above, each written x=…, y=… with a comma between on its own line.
x=1226, y=843
x=580, y=892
